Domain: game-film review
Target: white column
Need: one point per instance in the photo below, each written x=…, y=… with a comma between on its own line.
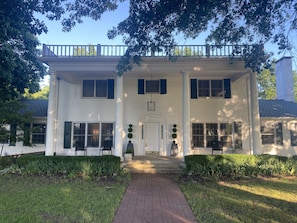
x=186, y=114
x=255, y=116
x=118, y=145
x=51, y=116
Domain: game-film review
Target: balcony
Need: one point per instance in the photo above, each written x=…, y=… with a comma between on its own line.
x=71, y=51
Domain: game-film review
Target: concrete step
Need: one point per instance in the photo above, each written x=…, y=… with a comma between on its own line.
x=149, y=165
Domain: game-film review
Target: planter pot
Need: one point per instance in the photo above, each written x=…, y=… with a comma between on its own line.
x=174, y=149
x=128, y=156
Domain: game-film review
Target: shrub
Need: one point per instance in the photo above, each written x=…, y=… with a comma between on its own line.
x=69, y=166
x=238, y=165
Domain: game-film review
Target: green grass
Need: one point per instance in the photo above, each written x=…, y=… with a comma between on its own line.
x=51, y=199
x=257, y=200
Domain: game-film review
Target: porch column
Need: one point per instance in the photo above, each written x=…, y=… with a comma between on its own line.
x=186, y=114
x=118, y=145
x=255, y=116
x=50, y=147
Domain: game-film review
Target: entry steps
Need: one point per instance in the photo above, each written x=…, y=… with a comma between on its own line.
x=154, y=164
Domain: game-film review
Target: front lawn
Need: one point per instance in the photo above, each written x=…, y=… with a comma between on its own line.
x=53, y=199
x=253, y=200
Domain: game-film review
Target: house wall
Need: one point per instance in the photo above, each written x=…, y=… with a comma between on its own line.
x=286, y=149
x=19, y=148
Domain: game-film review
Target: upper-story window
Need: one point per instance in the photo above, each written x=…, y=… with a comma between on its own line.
x=98, y=88
x=152, y=86
x=210, y=88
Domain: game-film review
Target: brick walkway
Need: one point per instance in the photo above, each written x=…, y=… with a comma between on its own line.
x=153, y=198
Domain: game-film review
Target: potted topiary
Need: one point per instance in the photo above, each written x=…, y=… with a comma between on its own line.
x=130, y=147
x=174, y=147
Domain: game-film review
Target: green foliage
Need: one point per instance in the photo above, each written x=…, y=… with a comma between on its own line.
x=237, y=165
x=266, y=84
x=72, y=167
x=42, y=94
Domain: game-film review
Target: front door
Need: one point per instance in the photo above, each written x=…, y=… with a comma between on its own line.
x=152, y=137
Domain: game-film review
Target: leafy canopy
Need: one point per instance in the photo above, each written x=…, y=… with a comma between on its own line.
x=154, y=24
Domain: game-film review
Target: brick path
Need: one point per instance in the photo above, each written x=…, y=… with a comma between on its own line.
x=153, y=198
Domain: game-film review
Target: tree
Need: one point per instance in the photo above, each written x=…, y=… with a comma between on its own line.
x=266, y=84
x=42, y=94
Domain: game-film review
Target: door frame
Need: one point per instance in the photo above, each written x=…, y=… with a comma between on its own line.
x=162, y=125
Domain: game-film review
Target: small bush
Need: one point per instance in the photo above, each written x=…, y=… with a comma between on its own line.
x=238, y=165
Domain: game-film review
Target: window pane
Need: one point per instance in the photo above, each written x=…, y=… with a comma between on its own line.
x=88, y=88
x=38, y=134
x=79, y=133
x=237, y=135
x=217, y=88
x=203, y=88
x=101, y=88
x=93, y=135
x=152, y=86
x=211, y=133
x=267, y=134
x=226, y=134
x=279, y=134
x=106, y=132
x=198, y=134
x=293, y=133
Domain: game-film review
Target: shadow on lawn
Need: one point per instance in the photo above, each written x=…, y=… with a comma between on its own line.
x=259, y=200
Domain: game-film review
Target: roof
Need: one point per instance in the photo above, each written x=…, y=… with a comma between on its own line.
x=277, y=108
x=38, y=107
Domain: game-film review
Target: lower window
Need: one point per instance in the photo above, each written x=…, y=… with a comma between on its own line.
x=229, y=134
x=272, y=133
x=87, y=134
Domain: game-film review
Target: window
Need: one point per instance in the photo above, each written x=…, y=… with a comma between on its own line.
x=152, y=86
x=237, y=135
x=203, y=88
x=98, y=88
x=210, y=88
x=226, y=134
x=79, y=132
x=211, y=133
x=217, y=88
x=38, y=133
x=87, y=134
x=293, y=133
x=93, y=135
x=197, y=135
x=272, y=133
x=106, y=132
x=229, y=134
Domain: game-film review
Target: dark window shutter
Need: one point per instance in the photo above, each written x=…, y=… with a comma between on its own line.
x=279, y=134
x=163, y=85
x=110, y=88
x=140, y=86
x=194, y=88
x=227, y=88
x=67, y=135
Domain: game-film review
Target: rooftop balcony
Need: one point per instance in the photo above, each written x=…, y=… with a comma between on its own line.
x=70, y=51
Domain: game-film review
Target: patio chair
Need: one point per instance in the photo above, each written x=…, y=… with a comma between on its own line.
x=80, y=146
x=107, y=147
x=216, y=146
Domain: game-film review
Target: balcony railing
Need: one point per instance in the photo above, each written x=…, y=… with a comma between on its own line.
x=119, y=50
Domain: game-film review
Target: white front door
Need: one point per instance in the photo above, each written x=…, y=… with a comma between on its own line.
x=152, y=137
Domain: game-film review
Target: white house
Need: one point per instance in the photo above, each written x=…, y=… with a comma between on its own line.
x=208, y=94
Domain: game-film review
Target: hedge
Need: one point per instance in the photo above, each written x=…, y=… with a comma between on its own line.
x=237, y=165
x=70, y=166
